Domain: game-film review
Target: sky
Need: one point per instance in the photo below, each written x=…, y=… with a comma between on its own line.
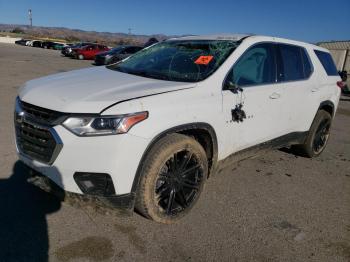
x=308, y=20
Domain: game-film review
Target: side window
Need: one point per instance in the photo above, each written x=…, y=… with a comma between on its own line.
x=255, y=67
x=308, y=68
x=327, y=62
x=292, y=64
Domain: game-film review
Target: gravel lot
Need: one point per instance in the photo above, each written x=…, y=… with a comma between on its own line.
x=275, y=207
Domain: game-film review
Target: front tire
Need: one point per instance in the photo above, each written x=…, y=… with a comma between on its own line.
x=81, y=57
x=172, y=178
x=318, y=136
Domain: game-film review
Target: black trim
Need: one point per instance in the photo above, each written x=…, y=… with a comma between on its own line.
x=178, y=129
x=279, y=142
x=98, y=184
x=327, y=103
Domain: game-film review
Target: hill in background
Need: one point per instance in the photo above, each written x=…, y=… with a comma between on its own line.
x=76, y=35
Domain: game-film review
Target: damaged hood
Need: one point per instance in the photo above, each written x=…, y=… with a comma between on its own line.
x=91, y=90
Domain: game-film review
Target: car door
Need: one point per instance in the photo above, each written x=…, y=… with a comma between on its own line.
x=298, y=87
x=88, y=51
x=95, y=50
x=255, y=74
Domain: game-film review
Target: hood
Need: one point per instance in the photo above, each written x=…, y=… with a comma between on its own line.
x=91, y=90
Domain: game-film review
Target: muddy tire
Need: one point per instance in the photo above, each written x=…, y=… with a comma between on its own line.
x=318, y=136
x=172, y=178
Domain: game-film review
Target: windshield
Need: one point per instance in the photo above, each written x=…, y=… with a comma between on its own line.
x=178, y=60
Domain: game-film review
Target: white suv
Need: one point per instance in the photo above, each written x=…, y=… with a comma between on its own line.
x=148, y=131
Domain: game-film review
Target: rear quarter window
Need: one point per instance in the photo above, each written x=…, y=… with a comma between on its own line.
x=327, y=62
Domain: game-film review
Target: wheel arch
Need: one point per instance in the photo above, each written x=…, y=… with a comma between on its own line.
x=202, y=132
x=327, y=106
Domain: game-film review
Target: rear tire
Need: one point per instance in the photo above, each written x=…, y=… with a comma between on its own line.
x=81, y=57
x=318, y=136
x=172, y=178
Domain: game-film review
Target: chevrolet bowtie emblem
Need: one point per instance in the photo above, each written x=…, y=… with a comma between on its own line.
x=19, y=117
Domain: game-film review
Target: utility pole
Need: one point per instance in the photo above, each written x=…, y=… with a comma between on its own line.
x=129, y=36
x=30, y=17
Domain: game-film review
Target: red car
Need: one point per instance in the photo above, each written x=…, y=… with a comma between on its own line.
x=89, y=52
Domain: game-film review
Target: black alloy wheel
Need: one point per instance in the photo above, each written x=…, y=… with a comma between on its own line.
x=317, y=137
x=321, y=136
x=178, y=183
x=172, y=177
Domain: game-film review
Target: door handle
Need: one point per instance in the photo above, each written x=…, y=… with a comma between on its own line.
x=275, y=95
x=315, y=89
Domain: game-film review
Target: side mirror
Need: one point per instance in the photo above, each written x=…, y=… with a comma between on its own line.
x=229, y=85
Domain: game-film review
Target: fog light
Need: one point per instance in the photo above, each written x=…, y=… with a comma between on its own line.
x=95, y=183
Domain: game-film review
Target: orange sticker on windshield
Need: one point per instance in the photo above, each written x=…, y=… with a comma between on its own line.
x=203, y=60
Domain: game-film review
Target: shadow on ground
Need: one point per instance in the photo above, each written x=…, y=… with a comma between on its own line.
x=23, y=226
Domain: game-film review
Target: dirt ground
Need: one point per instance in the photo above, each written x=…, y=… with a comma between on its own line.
x=276, y=207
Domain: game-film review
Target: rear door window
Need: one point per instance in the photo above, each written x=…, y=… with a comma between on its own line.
x=327, y=62
x=291, y=66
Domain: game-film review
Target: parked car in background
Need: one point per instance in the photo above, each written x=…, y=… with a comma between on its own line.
x=48, y=44
x=344, y=77
x=116, y=54
x=88, y=52
x=67, y=51
x=22, y=41
x=147, y=132
x=150, y=42
x=59, y=46
x=36, y=43
x=29, y=43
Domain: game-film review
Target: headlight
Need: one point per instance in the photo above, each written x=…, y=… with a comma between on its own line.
x=103, y=125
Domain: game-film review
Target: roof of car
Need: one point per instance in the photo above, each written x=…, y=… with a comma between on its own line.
x=233, y=37
x=238, y=37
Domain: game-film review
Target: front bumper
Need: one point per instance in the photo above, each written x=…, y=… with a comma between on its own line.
x=116, y=155
x=124, y=204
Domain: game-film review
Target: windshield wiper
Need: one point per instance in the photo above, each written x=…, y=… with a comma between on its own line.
x=148, y=74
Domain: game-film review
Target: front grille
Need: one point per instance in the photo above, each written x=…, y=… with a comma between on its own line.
x=39, y=114
x=34, y=139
